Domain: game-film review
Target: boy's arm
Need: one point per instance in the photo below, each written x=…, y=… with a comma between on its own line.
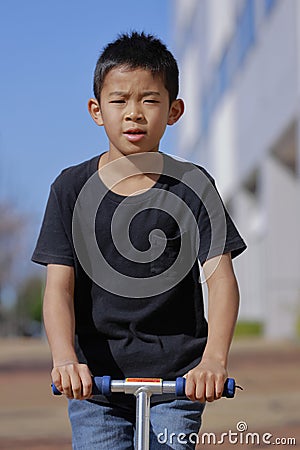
x=206, y=381
x=70, y=377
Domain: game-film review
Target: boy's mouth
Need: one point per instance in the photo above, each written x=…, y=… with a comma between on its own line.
x=134, y=134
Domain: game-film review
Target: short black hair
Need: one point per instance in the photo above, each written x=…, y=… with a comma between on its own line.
x=138, y=50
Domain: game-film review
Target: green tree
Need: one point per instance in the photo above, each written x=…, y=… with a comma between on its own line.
x=11, y=226
x=29, y=300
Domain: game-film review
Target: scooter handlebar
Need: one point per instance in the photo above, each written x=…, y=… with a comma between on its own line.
x=103, y=386
x=228, y=391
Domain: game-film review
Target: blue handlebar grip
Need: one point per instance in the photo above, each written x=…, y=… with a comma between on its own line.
x=55, y=391
x=180, y=387
x=102, y=385
x=228, y=392
x=229, y=388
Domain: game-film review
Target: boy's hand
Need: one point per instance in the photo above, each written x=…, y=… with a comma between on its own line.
x=73, y=380
x=206, y=381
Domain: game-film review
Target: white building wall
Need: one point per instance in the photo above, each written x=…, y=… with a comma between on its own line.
x=283, y=249
x=191, y=80
x=241, y=108
x=251, y=267
x=223, y=149
x=221, y=18
x=266, y=87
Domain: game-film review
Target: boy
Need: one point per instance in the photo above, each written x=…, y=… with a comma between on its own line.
x=121, y=238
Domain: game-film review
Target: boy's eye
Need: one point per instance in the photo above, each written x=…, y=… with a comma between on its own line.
x=117, y=101
x=151, y=101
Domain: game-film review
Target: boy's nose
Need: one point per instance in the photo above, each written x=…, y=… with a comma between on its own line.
x=134, y=115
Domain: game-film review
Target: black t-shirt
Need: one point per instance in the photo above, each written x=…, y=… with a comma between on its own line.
x=138, y=297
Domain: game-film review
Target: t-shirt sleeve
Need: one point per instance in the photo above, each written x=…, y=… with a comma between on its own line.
x=217, y=231
x=54, y=245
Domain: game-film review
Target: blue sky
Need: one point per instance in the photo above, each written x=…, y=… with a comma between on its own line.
x=48, y=53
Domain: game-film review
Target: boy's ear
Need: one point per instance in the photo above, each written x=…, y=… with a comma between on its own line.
x=95, y=111
x=176, y=111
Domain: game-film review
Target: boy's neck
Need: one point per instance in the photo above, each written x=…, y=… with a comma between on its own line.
x=132, y=174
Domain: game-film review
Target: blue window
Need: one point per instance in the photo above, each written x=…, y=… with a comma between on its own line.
x=223, y=73
x=206, y=111
x=245, y=30
x=269, y=5
x=232, y=59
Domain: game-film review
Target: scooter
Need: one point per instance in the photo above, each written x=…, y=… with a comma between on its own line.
x=143, y=389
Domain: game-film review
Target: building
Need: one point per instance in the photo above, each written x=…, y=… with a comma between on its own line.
x=240, y=79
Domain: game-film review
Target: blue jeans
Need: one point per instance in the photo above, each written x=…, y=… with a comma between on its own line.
x=173, y=425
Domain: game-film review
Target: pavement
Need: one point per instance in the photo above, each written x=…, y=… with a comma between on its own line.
x=265, y=413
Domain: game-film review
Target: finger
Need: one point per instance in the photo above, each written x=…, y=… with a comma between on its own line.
x=76, y=387
x=219, y=386
x=75, y=381
x=86, y=381
x=200, y=389
x=190, y=388
x=71, y=382
x=56, y=379
x=210, y=388
x=66, y=385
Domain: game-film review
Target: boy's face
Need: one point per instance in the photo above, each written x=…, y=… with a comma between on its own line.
x=135, y=110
